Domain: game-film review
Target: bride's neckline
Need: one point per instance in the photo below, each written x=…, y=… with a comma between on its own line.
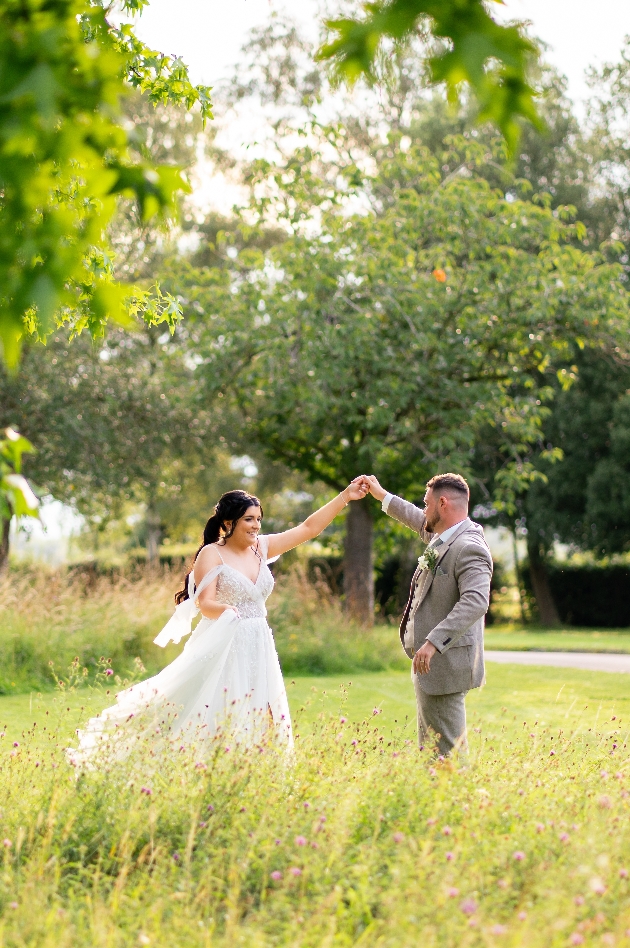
x=254, y=582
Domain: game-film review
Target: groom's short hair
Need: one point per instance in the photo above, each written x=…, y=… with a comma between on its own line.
x=453, y=484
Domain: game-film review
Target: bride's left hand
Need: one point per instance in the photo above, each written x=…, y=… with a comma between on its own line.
x=357, y=490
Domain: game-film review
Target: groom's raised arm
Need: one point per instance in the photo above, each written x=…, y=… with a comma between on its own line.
x=399, y=509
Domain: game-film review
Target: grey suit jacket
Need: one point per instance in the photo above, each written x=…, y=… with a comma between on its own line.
x=452, y=603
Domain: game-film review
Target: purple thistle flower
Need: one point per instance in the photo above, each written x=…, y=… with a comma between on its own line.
x=108, y=672
x=468, y=906
x=210, y=808
x=276, y=875
x=15, y=744
x=452, y=892
x=176, y=857
x=623, y=873
x=13, y=905
x=499, y=930
x=398, y=837
x=564, y=837
x=446, y=831
x=450, y=856
x=278, y=841
x=300, y=841
x=579, y=900
x=7, y=843
x=295, y=871
x=576, y=939
x=342, y=720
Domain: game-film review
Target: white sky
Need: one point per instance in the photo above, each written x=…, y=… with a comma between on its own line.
x=207, y=34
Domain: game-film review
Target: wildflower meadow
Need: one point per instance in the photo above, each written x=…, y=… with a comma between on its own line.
x=356, y=838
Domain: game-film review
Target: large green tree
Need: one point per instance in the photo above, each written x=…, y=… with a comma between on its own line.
x=64, y=158
x=385, y=340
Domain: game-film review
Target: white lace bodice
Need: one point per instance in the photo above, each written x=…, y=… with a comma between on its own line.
x=236, y=589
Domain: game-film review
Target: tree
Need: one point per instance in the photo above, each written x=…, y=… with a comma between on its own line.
x=114, y=423
x=474, y=41
x=385, y=340
x=65, y=156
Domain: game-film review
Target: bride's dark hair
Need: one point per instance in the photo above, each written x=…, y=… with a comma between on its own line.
x=231, y=507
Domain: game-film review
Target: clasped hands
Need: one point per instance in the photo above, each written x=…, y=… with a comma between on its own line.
x=367, y=483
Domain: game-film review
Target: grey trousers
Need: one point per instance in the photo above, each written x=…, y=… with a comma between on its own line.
x=442, y=717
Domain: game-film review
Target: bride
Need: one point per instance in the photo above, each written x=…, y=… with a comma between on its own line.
x=227, y=678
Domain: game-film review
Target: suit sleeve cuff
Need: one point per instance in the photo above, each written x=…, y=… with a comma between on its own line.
x=386, y=502
x=437, y=640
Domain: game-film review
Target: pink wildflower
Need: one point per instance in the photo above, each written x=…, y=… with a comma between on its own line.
x=499, y=930
x=576, y=939
x=108, y=672
x=597, y=886
x=452, y=892
x=295, y=871
x=7, y=843
x=519, y=855
x=300, y=841
x=13, y=905
x=579, y=900
x=15, y=744
x=603, y=774
x=398, y=837
x=276, y=875
x=623, y=873
x=447, y=831
x=146, y=790
x=450, y=856
x=605, y=802
x=564, y=837
x=342, y=720
x=522, y=916
x=540, y=827
x=468, y=906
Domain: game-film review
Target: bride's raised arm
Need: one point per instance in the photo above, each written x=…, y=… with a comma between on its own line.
x=283, y=542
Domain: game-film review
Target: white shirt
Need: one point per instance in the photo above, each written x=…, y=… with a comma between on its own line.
x=443, y=536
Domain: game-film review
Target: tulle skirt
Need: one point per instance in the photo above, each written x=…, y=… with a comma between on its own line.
x=225, y=684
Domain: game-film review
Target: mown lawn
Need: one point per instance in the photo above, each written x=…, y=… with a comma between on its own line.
x=558, y=640
x=554, y=697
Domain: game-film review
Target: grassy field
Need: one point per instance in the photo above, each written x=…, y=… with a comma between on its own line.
x=358, y=840
x=558, y=640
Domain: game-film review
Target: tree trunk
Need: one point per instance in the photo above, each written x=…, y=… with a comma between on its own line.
x=5, y=526
x=154, y=535
x=540, y=584
x=358, y=574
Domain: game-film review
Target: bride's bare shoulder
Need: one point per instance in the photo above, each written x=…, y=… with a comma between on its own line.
x=207, y=559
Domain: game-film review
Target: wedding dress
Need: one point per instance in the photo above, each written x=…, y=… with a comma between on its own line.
x=227, y=680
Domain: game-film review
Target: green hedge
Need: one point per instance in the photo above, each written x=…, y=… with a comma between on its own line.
x=596, y=596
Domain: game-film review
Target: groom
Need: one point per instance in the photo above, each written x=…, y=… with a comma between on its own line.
x=442, y=626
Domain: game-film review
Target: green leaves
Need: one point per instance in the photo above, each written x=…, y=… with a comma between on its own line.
x=64, y=157
x=388, y=341
x=490, y=57
x=16, y=496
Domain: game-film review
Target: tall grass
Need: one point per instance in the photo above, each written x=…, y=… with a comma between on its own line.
x=54, y=617
x=359, y=839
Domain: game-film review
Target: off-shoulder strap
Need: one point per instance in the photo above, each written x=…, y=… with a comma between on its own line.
x=264, y=549
x=208, y=578
x=180, y=623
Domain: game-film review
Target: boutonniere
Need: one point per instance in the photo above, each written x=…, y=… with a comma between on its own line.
x=429, y=559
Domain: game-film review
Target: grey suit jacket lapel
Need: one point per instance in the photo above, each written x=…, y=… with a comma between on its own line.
x=429, y=580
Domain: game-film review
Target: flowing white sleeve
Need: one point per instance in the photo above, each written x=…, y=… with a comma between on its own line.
x=180, y=623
